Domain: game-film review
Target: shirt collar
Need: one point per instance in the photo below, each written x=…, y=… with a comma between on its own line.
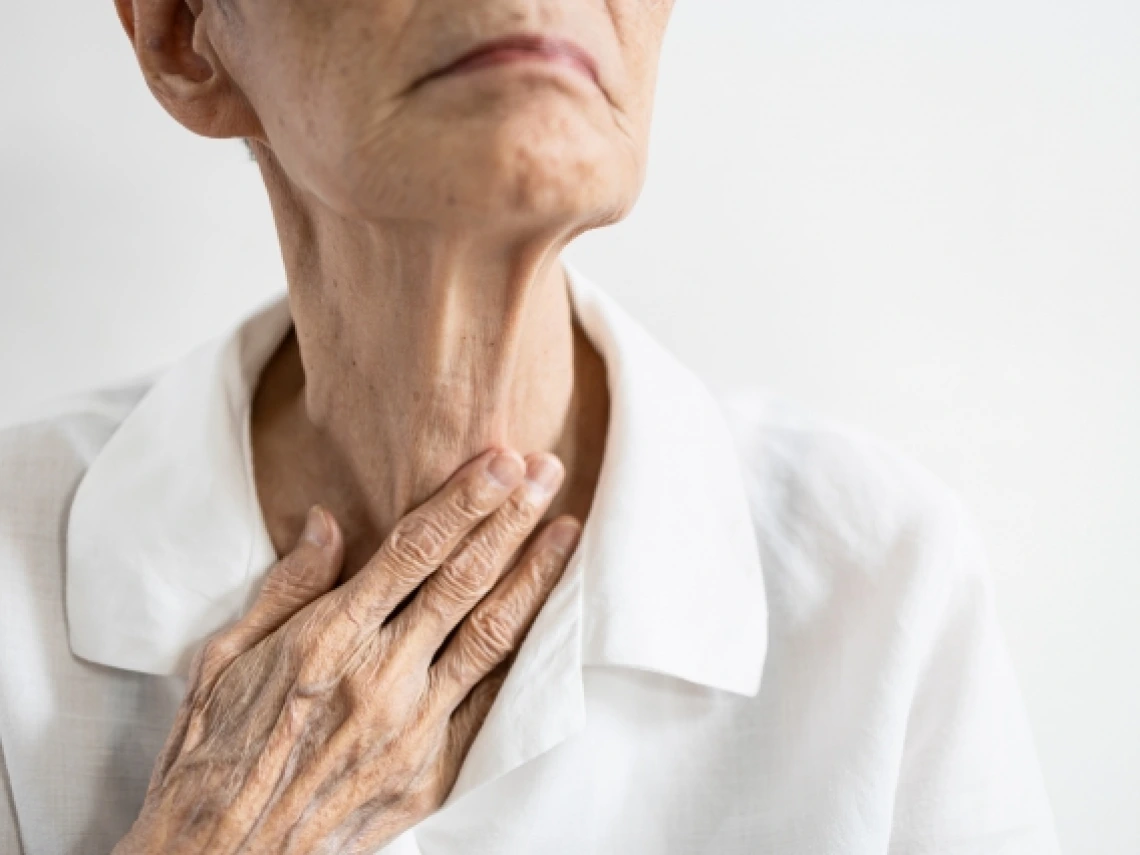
x=166, y=541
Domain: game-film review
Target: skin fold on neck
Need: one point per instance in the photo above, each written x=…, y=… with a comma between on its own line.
x=413, y=350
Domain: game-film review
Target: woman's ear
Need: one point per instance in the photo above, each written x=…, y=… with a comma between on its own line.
x=173, y=45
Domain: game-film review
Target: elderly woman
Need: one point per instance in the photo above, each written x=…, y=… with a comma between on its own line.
x=442, y=553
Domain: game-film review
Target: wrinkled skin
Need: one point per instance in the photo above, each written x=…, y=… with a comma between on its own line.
x=337, y=90
x=420, y=216
x=332, y=720
x=420, y=219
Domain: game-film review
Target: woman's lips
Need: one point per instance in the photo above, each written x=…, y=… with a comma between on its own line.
x=524, y=48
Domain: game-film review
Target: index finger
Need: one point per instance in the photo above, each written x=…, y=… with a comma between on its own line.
x=425, y=536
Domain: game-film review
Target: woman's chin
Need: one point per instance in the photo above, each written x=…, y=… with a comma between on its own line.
x=507, y=181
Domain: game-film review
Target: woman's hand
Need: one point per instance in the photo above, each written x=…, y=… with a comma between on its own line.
x=318, y=724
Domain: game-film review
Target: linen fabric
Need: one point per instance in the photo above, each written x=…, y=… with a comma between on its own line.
x=777, y=633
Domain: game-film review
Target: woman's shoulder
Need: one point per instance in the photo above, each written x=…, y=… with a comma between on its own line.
x=782, y=443
x=881, y=606
x=839, y=508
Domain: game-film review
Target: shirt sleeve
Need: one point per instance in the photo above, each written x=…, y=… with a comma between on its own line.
x=9, y=830
x=969, y=782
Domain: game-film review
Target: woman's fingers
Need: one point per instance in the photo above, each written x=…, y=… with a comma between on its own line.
x=471, y=571
x=445, y=599
x=466, y=721
x=305, y=574
x=497, y=626
x=462, y=729
x=425, y=537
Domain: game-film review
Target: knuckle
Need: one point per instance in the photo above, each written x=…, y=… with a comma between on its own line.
x=286, y=596
x=293, y=574
x=312, y=654
x=463, y=578
x=489, y=542
x=473, y=499
x=313, y=687
x=297, y=703
x=371, y=712
x=417, y=541
x=492, y=633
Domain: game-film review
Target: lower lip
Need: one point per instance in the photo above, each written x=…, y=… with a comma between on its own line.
x=510, y=56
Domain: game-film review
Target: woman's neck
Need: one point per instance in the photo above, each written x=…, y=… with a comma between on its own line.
x=412, y=352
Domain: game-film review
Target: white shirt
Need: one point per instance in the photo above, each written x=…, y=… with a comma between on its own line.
x=777, y=634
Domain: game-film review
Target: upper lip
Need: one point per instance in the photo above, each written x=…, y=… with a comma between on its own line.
x=537, y=43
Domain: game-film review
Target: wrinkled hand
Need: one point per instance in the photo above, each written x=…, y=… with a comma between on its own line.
x=322, y=721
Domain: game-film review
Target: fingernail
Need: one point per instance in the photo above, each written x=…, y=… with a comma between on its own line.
x=565, y=536
x=506, y=468
x=543, y=474
x=317, y=530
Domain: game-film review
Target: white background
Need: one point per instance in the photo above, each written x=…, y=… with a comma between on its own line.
x=920, y=218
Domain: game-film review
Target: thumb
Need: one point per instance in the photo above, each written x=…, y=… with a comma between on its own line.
x=307, y=573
